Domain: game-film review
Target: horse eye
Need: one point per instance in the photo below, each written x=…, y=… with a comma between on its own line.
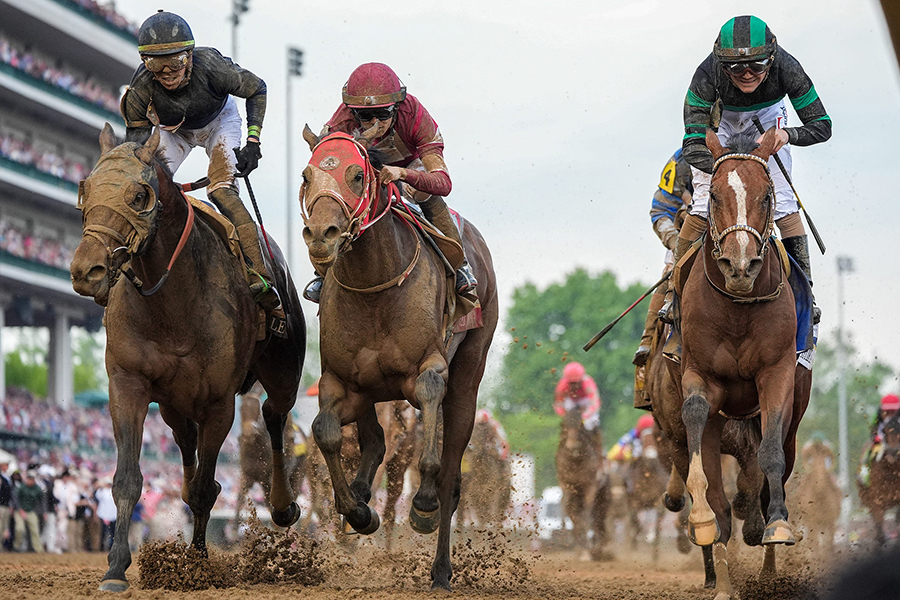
x=140, y=199
x=359, y=176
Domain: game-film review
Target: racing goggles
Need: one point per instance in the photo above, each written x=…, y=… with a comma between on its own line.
x=756, y=66
x=175, y=62
x=367, y=114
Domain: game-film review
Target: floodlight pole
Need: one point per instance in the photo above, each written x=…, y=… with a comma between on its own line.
x=844, y=265
x=294, y=63
x=238, y=7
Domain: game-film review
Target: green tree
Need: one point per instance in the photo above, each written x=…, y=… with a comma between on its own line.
x=87, y=357
x=26, y=364
x=548, y=329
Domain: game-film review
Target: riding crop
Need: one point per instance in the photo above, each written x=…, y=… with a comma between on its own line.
x=259, y=218
x=812, y=226
x=606, y=329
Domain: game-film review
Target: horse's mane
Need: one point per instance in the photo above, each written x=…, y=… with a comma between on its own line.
x=743, y=142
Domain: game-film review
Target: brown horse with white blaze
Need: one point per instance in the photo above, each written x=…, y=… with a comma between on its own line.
x=739, y=347
x=188, y=344
x=382, y=336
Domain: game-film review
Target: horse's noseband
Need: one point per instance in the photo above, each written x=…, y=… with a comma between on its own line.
x=762, y=238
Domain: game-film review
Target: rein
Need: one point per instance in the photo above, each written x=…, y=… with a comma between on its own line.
x=762, y=238
x=185, y=234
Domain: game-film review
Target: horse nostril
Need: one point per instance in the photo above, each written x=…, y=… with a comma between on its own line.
x=755, y=267
x=96, y=274
x=725, y=265
x=307, y=235
x=331, y=234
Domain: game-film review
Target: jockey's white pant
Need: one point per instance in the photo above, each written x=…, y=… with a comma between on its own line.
x=218, y=138
x=592, y=421
x=735, y=122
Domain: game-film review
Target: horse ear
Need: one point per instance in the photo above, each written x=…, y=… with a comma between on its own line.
x=107, y=139
x=311, y=138
x=767, y=143
x=146, y=152
x=714, y=145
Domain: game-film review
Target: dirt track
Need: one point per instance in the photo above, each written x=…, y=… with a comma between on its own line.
x=488, y=569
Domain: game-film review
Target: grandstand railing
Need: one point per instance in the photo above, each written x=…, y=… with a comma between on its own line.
x=58, y=92
x=36, y=173
x=94, y=17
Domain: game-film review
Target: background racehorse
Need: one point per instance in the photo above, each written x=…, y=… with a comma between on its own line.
x=384, y=341
x=190, y=345
x=487, y=480
x=883, y=492
x=580, y=472
x=256, y=451
x=739, y=348
x=817, y=496
x=646, y=483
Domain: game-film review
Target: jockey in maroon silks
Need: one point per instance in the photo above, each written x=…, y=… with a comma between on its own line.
x=377, y=109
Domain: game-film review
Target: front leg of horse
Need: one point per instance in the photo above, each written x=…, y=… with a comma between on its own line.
x=371, y=449
x=128, y=408
x=285, y=511
x=425, y=512
x=777, y=390
x=746, y=503
x=204, y=489
x=703, y=528
x=326, y=429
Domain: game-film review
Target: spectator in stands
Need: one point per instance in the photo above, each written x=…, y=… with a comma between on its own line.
x=49, y=531
x=29, y=497
x=6, y=504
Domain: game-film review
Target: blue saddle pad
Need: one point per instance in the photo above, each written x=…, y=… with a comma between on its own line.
x=803, y=298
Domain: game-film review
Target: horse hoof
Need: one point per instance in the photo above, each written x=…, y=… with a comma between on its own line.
x=673, y=504
x=704, y=534
x=374, y=522
x=424, y=522
x=440, y=586
x=779, y=532
x=286, y=517
x=113, y=585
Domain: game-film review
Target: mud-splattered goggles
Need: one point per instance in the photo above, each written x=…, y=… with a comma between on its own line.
x=175, y=62
x=738, y=68
x=367, y=114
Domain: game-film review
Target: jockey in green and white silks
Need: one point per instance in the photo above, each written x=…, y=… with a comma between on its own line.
x=748, y=74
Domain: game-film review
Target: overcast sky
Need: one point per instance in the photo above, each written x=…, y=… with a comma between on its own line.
x=559, y=116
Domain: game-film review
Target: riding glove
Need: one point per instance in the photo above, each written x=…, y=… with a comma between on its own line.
x=247, y=158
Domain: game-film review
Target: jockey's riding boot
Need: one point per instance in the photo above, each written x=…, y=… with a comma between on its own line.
x=798, y=247
x=665, y=313
x=313, y=289
x=436, y=211
x=228, y=201
x=643, y=351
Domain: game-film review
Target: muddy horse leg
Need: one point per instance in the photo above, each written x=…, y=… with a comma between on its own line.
x=425, y=512
x=371, y=453
x=184, y=431
x=334, y=411
x=747, y=504
x=204, y=489
x=395, y=472
x=285, y=510
x=128, y=408
x=703, y=528
x=776, y=390
x=712, y=465
x=459, y=417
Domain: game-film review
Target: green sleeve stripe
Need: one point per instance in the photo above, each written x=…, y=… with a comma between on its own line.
x=693, y=99
x=694, y=135
x=806, y=99
x=253, y=130
x=700, y=125
x=825, y=118
x=754, y=107
x=757, y=32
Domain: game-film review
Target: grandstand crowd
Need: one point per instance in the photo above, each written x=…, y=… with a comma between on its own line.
x=46, y=251
x=54, y=72
x=107, y=13
x=56, y=469
x=46, y=161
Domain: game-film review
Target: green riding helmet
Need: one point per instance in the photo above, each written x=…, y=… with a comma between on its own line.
x=164, y=33
x=743, y=39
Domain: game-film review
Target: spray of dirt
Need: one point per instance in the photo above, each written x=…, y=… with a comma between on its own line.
x=266, y=556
